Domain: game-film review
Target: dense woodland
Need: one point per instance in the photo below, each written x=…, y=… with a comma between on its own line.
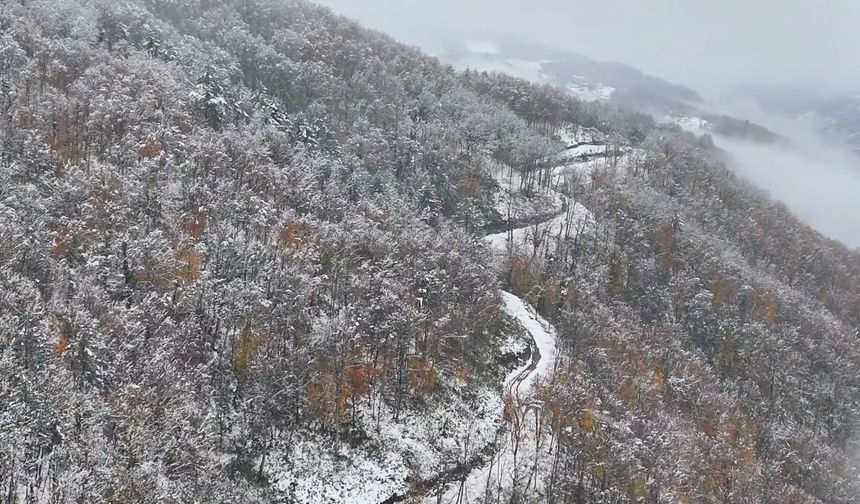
x=223, y=222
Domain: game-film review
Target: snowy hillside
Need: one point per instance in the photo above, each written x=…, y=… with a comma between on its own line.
x=593, y=81
x=254, y=252
x=584, y=78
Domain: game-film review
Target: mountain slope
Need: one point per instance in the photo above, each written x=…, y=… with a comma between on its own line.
x=582, y=76
x=242, y=259
x=596, y=81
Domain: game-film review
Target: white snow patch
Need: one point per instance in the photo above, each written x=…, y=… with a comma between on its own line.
x=510, y=201
x=584, y=90
x=542, y=237
x=524, y=69
x=693, y=124
x=579, y=134
x=580, y=151
x=316, y=469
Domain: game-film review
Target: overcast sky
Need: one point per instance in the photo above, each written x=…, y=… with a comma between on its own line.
x=707, y=44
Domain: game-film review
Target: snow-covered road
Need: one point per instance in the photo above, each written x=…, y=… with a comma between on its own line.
x=520, y=447
x=517, y=450
x=520, y=381
x=565, y=224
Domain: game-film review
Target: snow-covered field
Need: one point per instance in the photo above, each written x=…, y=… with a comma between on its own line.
x=693, y=124
x=581, y=151
x=524, y=69
x=580, y=135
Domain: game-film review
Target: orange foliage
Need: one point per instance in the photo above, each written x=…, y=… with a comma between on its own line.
x=551, y=292
x=617, y=275
x=421, y=374
x=62, y=341
x=721, y=289
x=571, y=297
x=321, y=397
x=734, y=431
x=509, y=412
x=330, y=393
x=412, y=301
x=556, y=409
x=462, y=371
x=151, y=149
x=189, y=269
x=740, y=435
x=708, y=424
x=294, y=235
x=244, y=352
x=66, y=145
x=360, y=376
x=586, y=420
x=194, y=224
x=521, y=279
x=680, y=494
x=159, y=279
x=62, y=241
x=766, y=307
x=25, y=117
x=635, y=489
x=718, y=477
x=471, y=184
x=726, y=358
x=629, y=393
x=658, y=381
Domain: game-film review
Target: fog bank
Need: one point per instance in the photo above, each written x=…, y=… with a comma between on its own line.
x=705, y=44
x=819, y=183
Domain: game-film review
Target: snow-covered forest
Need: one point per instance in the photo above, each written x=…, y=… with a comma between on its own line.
x=253, y=252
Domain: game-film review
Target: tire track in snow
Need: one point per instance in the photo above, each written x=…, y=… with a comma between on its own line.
x=520, y=382
x=470, y=480
x=500, y=468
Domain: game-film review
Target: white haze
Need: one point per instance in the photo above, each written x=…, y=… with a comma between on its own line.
x=818, y=183
x=816, y=176
x=707, y=44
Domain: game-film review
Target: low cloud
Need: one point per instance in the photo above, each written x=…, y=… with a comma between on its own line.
x=707, y=45
x=820, y=183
